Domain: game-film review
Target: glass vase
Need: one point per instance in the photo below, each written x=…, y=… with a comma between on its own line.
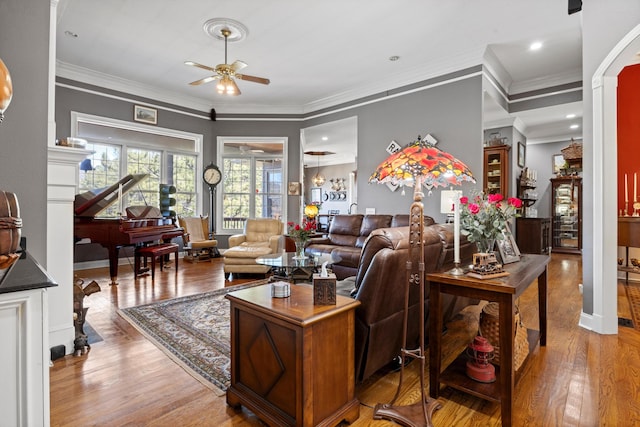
x=486, y=246
x=300, y=249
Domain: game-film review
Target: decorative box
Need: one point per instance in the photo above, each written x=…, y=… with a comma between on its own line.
x=324, y=289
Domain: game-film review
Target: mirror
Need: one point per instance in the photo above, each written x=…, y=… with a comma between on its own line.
x=339, y=137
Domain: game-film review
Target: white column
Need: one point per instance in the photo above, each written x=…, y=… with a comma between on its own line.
x=62, y=179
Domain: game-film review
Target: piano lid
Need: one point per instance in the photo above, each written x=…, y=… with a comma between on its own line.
x=91, y=203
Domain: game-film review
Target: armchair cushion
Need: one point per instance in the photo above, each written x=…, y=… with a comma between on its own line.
x=197, y=241
x=262, y=236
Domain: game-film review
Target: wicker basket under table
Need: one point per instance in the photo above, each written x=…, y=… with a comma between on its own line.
x=490, y=329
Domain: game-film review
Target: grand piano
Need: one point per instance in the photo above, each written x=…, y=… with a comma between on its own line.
x=142, y=225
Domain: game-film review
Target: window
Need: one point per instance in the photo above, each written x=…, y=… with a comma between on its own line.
x=253, y=181
x=121, y=148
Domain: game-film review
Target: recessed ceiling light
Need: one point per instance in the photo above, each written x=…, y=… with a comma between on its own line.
x=535, y=46
x=571, y=116
x=574, y=126
x=325, y=138
x=394, y=58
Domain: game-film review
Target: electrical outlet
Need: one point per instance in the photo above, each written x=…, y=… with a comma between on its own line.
x=370, y=211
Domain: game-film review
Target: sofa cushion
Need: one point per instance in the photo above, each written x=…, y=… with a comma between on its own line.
x=260, y=230
x=345, y=229
x=246, y=250
x=370, y=223
x=402, y=220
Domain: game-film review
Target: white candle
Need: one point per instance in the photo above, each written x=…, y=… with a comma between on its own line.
x=456, y=228
x=626, y=191
x=635, y=184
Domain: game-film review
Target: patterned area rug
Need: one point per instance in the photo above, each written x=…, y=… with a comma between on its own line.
x=193, y=331
x=633, y=294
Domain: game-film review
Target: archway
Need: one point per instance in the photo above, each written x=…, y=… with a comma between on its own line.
x=604, y=83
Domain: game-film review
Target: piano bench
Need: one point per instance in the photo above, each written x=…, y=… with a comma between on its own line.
x=154, y=252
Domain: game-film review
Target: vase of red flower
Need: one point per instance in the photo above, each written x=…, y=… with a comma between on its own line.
x=300, y=235
x=483, y=218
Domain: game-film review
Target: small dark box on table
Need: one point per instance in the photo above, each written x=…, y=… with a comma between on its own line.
x=324, y=289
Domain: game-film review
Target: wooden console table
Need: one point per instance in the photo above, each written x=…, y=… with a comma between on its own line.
x=504, y=290
x=628, y=236
x=292, y=362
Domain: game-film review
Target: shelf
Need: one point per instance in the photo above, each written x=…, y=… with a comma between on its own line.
x=629, y=269
x=455, y=375
x=496, y=169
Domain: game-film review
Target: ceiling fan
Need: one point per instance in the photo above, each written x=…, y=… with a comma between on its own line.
x=225, y=73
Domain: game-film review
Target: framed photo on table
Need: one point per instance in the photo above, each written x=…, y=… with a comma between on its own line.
x=508, y=248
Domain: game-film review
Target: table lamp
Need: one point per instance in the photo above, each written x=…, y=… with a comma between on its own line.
x=419, y=163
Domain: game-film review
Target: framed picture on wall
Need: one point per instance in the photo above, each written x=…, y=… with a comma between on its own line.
x=558, y=163
x=294, y=189
x=316, y=195
x=522, y=154
x=145, y=114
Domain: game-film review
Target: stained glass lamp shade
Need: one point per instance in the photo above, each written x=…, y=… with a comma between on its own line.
x=422, y=162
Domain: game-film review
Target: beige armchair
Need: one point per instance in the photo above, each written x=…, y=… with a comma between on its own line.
x=198, y=244
x=262, y=236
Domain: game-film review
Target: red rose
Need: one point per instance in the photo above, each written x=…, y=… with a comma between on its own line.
x=473, y=208
x=494, y=198
x=464, y=200
x=515, y=202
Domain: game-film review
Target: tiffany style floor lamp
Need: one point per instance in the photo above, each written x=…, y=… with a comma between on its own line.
x=418, y=164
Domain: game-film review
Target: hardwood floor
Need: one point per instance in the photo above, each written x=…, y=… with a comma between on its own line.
x=579, y=379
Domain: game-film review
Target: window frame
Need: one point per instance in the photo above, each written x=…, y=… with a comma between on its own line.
x=221, y=140
x=125, y=144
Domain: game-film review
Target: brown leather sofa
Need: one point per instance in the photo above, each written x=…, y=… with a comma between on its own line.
x=380, y=287
x=346, y=236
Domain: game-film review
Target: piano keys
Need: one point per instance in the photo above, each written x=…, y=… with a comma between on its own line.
x=142, y=224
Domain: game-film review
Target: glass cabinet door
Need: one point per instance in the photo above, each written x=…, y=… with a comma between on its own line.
x=566, y=215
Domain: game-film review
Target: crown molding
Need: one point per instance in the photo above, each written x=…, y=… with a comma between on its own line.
x=570, y=76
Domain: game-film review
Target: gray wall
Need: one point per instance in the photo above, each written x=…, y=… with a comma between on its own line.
x=69, y=99
x=604, y=24
x=24, y=48
x=450, y=112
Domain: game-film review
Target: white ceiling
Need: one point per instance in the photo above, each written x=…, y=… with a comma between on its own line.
x=319, y=54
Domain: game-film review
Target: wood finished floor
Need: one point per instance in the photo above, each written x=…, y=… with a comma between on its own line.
x=579, y=379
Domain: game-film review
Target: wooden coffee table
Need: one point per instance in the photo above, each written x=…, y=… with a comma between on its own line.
x=292, y=362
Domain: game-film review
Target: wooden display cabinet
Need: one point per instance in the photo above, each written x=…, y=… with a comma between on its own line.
x=533, y=235
x=566, y=210
x=496, y=170
x=292, y=362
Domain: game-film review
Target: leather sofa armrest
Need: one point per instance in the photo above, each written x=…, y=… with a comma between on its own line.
x=319, y=240
x=237, y=239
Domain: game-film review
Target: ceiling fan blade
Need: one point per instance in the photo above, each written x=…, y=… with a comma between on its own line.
x=253, y=79
x=238, y=65
x=195, y=64
x=205, y=80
